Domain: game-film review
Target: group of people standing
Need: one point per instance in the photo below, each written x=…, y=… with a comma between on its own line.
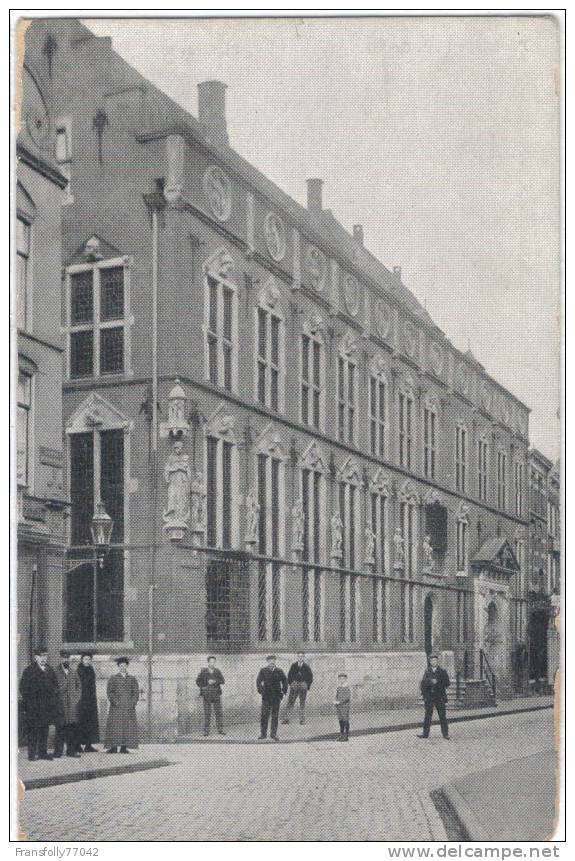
x=66, y=698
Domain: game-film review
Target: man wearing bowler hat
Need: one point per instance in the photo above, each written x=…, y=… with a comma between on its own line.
x=41, y=701
x=123, y=693
x=272, y=685
x=433, y=687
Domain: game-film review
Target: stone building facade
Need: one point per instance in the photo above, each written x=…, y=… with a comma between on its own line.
x=339, y=477
x=42, y=509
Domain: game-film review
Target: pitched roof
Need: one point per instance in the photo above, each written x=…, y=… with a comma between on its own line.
x=491, y=552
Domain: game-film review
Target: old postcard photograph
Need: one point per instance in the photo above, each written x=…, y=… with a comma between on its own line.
x=287, y=476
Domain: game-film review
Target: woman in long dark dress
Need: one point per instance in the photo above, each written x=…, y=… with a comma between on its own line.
x=88, y=723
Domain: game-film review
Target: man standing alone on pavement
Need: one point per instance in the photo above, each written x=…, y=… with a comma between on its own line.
x=299, y=678
x=41, y=702
x=272, y=685
x=70, y=692
x=122, y=726
x=434, y=686
x=210, y=681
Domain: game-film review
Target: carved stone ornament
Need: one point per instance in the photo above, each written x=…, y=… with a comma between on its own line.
x=218, y=191
x=336, y=536
x=427, y=554
x=410, y=339
x=275, y=236
x=348, y=344
x=315, y=324
x=221, y=264
x=252, y=518
x=270, y=295
x=383, y=317
x=225, y=424
x=312, y=458
x=486, y=395
x=369, y=548
x=316, y=267
x=377, y=367
x=436, y=358
x=399, y=551
x=298, y=525
x=351, y=294
x=380, y=483
x=92, y=249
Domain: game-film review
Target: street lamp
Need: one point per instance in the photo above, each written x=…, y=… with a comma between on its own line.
x=101, y=529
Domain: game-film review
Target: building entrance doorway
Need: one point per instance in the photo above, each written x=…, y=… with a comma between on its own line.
x=538, y=622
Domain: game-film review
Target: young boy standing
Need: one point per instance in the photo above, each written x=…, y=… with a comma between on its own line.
x=341, y=702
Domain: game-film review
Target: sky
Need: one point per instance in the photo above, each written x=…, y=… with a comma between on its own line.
x=441, y=135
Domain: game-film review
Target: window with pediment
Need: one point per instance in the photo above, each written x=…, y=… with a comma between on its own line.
x=270, y=360
x=221, y=320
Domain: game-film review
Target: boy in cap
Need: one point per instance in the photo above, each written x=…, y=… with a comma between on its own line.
x=272, y=685
x=341, y=702
x=433, y=687
x=41, y=702
x=210, y=681
x=122, y=726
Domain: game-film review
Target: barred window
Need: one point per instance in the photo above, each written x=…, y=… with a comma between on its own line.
x=270, y=520
x=97, y=316
x=312, y=496
x=311, y=380
x=221, y=333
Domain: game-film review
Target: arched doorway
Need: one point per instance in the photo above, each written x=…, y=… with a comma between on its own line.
x=428, y=624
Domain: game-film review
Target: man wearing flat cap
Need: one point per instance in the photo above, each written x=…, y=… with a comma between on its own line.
x=433, y=687
x=272, y=686
x=70, y=691
x=41, y=703
x=210, y=680
x=122, y=726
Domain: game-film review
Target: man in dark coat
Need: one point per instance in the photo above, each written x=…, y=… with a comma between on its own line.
x=122, y=726
x=299, y=678
x=41, y=701
x=272, y=685
x=210, y=681
x=88, y=724
x=70, y=690
x=434, y=686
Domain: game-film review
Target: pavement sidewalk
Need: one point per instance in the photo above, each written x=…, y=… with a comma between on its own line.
x=42, y=773
x=324, y=727
x=513, y=801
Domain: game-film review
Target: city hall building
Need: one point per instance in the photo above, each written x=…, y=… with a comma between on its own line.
x=293, y=454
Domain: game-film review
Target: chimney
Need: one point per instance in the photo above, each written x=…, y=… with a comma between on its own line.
x=212, y=110
x=314, y=203
x=358, y=233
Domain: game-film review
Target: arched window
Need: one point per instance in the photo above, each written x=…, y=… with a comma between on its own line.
x=269, y=340
x=221, y=320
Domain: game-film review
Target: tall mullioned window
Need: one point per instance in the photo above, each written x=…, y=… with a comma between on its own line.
x=312, y=497
x=269, y=356
x=349, y=583
x=97, y=320
x=460, y=459
x=346, y=398
x=95, y=601
x=429, y=440
x=461, y=542
x=501, y=479
x=23, y=231
x=270, y=526
x=519, y=473
x=407, y=520
x=219, y=488
x=405, y=421
x=221, y=332
x=377, y=414
x=312, y=374
x=23, y=427
x=482, y=469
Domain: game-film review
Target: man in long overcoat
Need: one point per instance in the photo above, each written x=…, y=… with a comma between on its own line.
x=41, y=702
x=88, y=723
x=272, y=685
x=210, y=680
x=70, y=691
x=433, y=687
x=122, y=725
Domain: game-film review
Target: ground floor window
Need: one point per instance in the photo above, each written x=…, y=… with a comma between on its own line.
x=379, y=593
x=227, y=604
x=312, y=595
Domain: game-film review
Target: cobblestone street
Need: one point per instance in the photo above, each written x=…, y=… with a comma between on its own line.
x=374, y=788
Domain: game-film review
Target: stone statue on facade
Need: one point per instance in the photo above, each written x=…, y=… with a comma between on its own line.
x=427, y=554
x=297, y=527
x=369, y=549
x=336, y=536
x=399, y=548
x=252, y=518
x=177, y=474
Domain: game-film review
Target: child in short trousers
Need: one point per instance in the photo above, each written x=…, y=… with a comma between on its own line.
x=341, y=702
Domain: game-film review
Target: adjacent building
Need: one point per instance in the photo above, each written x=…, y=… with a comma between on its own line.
x=293, y=454
x=42, y=508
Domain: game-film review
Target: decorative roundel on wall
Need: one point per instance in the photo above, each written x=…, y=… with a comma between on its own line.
x=275, y=236
x=410, y=339
x=38, y=125
x=486, y=395
x=382, y=313
x=436, y=358
x=351, y=294
x=218, y=190
x=316, y=267
x=463, y=378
